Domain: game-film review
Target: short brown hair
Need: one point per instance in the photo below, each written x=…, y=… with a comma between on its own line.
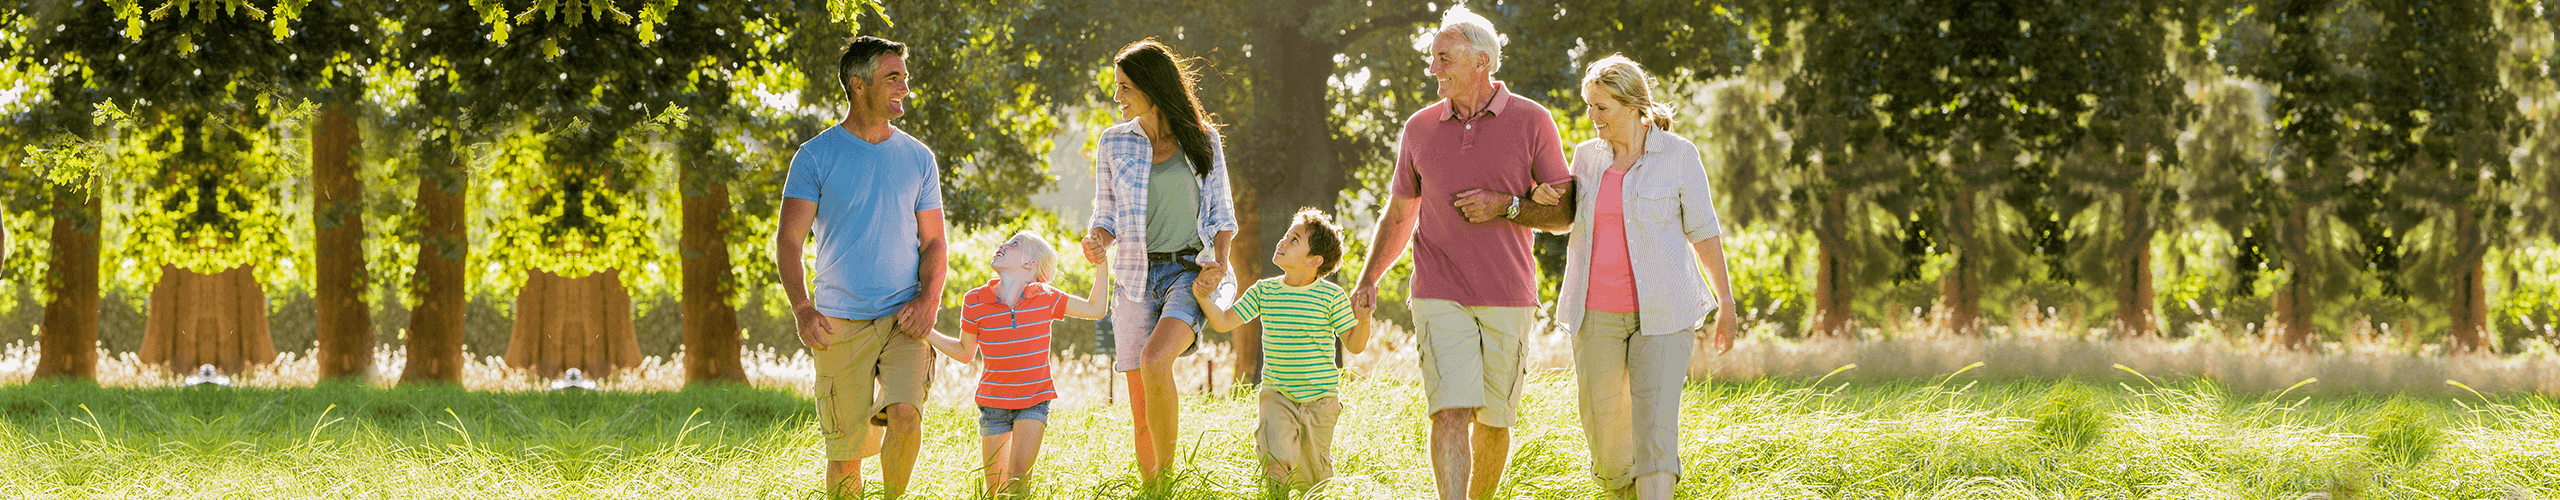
x=1324, y=238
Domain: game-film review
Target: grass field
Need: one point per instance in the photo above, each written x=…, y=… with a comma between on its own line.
x=2024, y=439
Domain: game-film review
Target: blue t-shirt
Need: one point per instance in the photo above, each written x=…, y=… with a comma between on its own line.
x=868, y=196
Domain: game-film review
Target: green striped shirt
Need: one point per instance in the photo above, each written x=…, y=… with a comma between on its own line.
x=1298, y=329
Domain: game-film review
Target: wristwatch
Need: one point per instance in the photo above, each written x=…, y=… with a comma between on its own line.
x=1513, y=210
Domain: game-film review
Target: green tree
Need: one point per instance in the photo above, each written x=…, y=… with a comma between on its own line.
x=2445, y=124
x=184, y=96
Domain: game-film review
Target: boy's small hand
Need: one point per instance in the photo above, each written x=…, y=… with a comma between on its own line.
x=1363, y=310
x=1211, y=274
x=1547, y=194
x=1095, y=241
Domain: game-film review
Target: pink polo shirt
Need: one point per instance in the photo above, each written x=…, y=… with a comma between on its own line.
x=1509, y=149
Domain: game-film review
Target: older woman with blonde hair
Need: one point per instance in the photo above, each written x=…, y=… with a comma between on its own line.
x=1643, y=202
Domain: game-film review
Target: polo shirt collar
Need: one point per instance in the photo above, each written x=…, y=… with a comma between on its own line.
x=1501, y=100
x=1029, y=290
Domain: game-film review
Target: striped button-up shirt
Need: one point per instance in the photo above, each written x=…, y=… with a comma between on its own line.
x=1120, y=171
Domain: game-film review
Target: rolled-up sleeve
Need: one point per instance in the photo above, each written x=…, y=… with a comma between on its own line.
x=1105, y=187
x=1697, y=202
x=1217, y=204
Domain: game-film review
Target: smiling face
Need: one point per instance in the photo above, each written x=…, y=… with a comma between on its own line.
x=1020, y=257
x=1611, y=118
x=884, y=97
x=1456, y=64
x=1133, y=102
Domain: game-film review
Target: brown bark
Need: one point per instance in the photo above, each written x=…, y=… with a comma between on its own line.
x=710, y=323
x=2293, y=300
x=2470, y=286
x=1961, y=288
x=434, y=343
x=68, y=348
x=583, y=323
x=215, y=319
x=1830, y=287
x=2134, y=316
x=345, y=323
x=1283, y=155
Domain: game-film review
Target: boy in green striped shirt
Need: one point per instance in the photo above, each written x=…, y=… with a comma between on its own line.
x=1301, y=316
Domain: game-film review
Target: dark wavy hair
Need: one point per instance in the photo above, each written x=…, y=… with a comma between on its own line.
x=1158, y=73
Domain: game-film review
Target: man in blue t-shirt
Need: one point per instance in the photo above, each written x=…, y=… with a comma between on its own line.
x=872, y=196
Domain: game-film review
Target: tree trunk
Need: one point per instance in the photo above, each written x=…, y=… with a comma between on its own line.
x=710, y=323
x=583, y=323
x=2293, y=301
x=1830, y=288
x=345, y=322
x=69, y=347
x=1961, y=288
x=1282, y=155
x=217, y=319
x=2470, y=285
x=2134, y=315
x=434, y=343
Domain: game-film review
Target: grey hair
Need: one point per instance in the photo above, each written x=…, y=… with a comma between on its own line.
x=1475, y=28
x=1627, y=82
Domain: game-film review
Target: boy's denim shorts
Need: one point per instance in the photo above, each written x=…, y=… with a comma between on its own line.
x=993, y=420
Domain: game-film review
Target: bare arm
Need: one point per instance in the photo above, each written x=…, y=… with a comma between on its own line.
x=1550, y=217
x=1100, y=301
x=792, y=233
x=963, y=348
x=1480, y=206
x=1358, y=338
x=1711, y=256
x=1224, y=243
x=1395, y=231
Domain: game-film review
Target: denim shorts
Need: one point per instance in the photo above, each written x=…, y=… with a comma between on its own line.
x=993, y=420
x=1168, y=295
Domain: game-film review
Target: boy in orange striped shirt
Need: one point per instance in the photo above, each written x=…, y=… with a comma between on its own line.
x=1007, y=321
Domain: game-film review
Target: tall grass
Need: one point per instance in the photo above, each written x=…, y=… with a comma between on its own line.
x=1764, y=439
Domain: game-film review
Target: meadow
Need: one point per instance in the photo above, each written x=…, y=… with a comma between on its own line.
x=1941, y=438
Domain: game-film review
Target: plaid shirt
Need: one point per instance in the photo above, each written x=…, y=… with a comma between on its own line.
x=1120, y=172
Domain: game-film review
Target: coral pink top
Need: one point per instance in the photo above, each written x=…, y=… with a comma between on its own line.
x=1613, y=273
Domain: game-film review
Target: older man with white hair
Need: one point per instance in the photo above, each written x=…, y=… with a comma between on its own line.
x=1464, y=170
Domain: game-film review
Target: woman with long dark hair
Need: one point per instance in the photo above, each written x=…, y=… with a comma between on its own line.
x=1161, y=210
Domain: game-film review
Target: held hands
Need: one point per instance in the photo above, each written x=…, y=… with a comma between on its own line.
x=1096, y=241
x=1211, y=274
x=1365, y=298
x=1481, y=206
x=1363, y=309
x=919, y=316
x=1547, y=194
x=814, y=330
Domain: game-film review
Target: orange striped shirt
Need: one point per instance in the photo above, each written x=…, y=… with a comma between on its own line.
x=1014, y=341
